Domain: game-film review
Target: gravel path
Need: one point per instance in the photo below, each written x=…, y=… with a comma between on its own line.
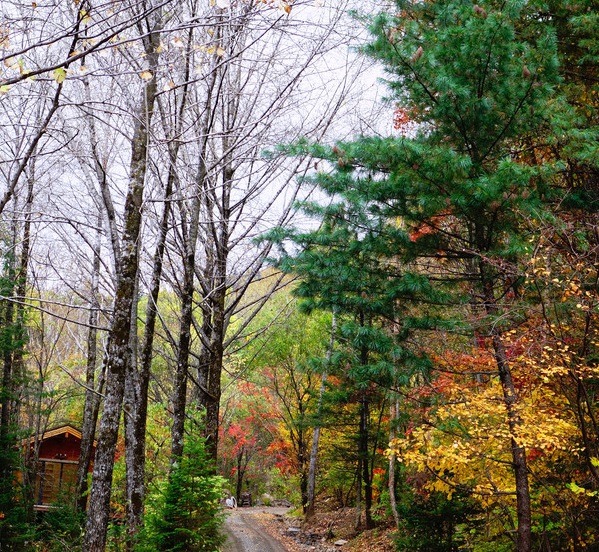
x=245, y=534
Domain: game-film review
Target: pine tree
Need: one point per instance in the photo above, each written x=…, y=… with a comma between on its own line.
x=186, y=514
x=452, y=195
x=345, y=268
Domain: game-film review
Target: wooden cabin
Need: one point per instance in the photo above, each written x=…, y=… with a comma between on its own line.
x=59, y=451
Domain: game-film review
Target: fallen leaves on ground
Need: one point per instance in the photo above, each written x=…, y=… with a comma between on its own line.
x=325, y=528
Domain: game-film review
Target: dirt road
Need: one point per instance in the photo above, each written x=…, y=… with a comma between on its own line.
x=244, y=533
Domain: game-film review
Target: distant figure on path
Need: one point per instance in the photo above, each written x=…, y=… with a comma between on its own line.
x=231, y=502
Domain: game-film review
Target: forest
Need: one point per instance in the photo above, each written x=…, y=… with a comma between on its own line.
x=342, y=254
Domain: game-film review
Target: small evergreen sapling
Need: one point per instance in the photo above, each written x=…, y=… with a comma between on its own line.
x=186, y=515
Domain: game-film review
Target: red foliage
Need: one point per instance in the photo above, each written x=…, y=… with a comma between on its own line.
x=401, y=118
x=533, y=454
x=421, y=231
x=405, y=120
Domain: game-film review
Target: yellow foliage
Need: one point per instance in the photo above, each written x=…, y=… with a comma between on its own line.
x=466, y=440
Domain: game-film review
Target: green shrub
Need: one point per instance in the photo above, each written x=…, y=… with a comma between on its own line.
x=60, y=529
x=433, y=523
x=184, y=514
x=16, y=527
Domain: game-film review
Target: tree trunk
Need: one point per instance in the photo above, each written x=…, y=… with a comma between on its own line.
x=311, y=491
x=240, y=474
x=179, y=398
x=363, y=439
x=119, y=351
x=394, y=416
x=510, y=399
x=211, y=399
x=302, y=460
x=92, y=400
x=135, y=407
x=136, y=421
x=358, y=512
x=8, y=390
x=184, y=345
x=215, y=286
x=94, y=389
x=6, y=332
x=523, y=506
x=20, y=336
x=186, y=295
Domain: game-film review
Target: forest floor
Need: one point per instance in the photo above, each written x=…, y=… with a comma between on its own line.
x=326, y=532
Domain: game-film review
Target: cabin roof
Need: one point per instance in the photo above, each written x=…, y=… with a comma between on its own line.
x=69, y=429
x=65, y=429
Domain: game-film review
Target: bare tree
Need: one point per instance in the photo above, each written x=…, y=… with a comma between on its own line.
x=268, y=67
x=118, y=360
